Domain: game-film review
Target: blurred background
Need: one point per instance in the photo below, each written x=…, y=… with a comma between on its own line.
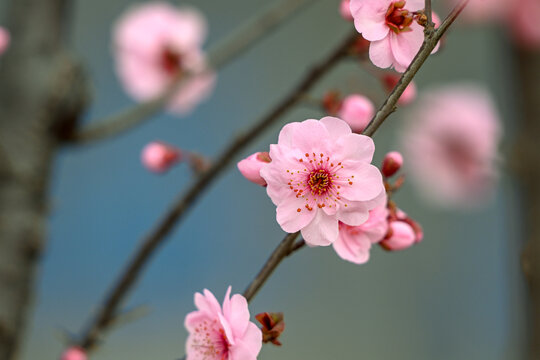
x=459, y=294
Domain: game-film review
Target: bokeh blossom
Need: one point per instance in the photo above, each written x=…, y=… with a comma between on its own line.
x=451, y=144
x=251, y=167
x=392, y=28
x=5, y=39
x=74, y=353
x=354, y=242
x=155, y=43
x=357, y=111
x=321, y=174
x=159, y=157
x=221, y=333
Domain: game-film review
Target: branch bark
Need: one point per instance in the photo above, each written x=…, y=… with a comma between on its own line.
x=527, y=159
x=241, y=40
x=42, y=93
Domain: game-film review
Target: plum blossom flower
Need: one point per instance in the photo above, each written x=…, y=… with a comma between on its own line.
x=354, y=242
x=321, y=174
x=485, y=10
x=159, y=157
x=391, y=27
x=74, y=353
x=356, y=110
x=221, y=333
x=451, y=145
x=154, y=44
x=251, y=167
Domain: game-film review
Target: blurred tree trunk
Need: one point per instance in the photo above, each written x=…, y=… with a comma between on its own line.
x=42, y=93
x=528, y=160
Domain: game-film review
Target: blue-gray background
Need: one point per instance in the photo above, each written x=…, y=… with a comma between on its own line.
x=457, y=295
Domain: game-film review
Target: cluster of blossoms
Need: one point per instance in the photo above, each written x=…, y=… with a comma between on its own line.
x=154, y=45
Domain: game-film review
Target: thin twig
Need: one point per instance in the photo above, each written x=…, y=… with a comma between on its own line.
x=429, y=44
x=284, y=249
x=157, y=236
x=427, y=8
x=220, y=55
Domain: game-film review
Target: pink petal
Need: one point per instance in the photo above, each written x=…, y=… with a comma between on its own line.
x=322, y=231
x=335, y=127
x=352, y=248
x=227, y=328
x=369, y=18
x=249, y=346
x=289, y=218
x=380, y=53
x=405, y=45
x=307, y=137
x=237, y=315
x=356, y=147
x=356, y=213
x=366, y=185
x=207, y=303
x=415, y=5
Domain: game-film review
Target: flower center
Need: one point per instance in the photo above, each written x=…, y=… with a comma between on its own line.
x=397, y=18
x=319, y=181
x=171, y=61
x=210, y=341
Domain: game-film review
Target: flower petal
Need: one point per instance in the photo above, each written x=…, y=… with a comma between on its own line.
x=322, y=231
x=369, y=18
x=289, y=218
x=380, y=53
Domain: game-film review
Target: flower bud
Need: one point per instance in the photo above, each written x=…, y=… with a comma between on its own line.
x=409, y=95
x=400, y=236
x=357, y=111
x=345, y=10
x=159, y=157
x=198, y=163
x=272, y=326
x=251, y=166
x=331, y=102
x=4, y=40
x=392, y=163
x=74, y=353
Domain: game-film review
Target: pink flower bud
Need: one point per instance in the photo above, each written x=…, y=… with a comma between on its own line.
x=392, y=163
x=251, y=166
x=4, y=40
x=74, y=353
x=159, y=157
x=408, y=96
x=345, y=10
x=400, y=236
x=357, y=111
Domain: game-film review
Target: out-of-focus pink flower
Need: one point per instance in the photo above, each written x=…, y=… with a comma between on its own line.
x=74, y=353
x=345, y=10
x=217, y=333
x=523, y=22
x=409, y=95
x=154, y=43
x=4, y=40
x=391, y=27
x=356, y=110
x=392, y=163
x=321, y=174
x=451, y=144
x=354, y=242
x=485, y=10
x=251, y=166
x=159, y=157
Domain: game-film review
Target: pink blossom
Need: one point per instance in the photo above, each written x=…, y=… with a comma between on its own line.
x=159, y=157
x=391, y=27
x=155, y=43
x=345, y=10
x=354, y=242
x=357, y=111
x=523, y=22
x=451, y=144
x=403, y=232
x=74, y=353
x=409, y=95
x=321, y=174
x=4, y=40
x=251, y=166
x=221, y=333
x=392, y=163
x=485, y=10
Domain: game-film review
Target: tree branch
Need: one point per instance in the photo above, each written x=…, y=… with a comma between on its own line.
x=224, y=52
x=430, y=41
x=157, y=236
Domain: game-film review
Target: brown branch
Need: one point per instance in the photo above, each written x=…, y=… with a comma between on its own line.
x=430, y=41
x=284, y=249
x=241, y=40
x=157, y=236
